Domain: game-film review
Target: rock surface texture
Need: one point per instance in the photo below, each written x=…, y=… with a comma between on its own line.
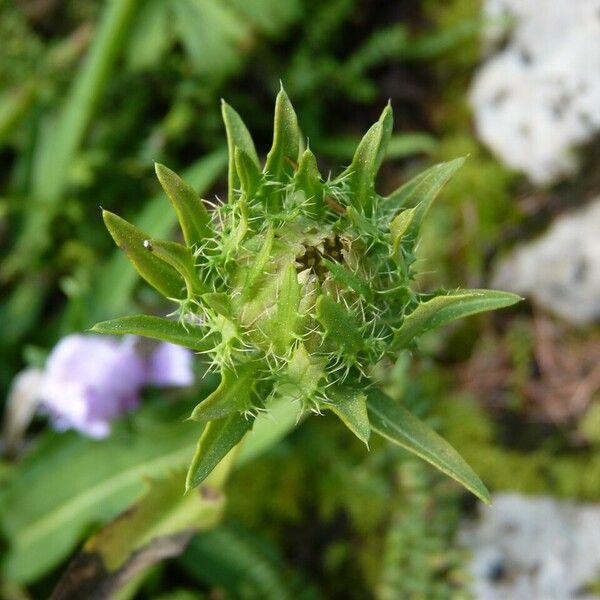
x=537, y=96
x=561, y=270
x=527, y=548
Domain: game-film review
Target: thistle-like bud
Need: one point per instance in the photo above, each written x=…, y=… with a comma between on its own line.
x=299, y=288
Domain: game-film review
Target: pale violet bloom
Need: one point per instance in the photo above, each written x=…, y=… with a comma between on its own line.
x=89, y=381
x=170, y=365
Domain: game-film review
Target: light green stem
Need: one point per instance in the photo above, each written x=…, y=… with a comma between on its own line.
x=63, y=137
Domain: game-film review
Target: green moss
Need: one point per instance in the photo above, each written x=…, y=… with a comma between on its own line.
x=572, y=474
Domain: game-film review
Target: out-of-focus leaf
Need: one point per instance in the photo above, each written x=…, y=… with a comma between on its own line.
x=42, y=514
x=395, y=423
x=14, y=105
x=151, y=34
x=268, y=16
x=443, y=309
x=212, y=35
x=157, y=328
x=156, y=527
x=63, y=136
x=217, y=440
x=400, y=146
x=244, y=566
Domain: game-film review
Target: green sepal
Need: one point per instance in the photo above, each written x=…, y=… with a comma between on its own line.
x=248, y=173
x=350, y=405
x=363, y=225
x=393, y=422
x=234, y=394
x=193, y=217
x=420, y=192
x=351, y=280
x=220, y=302
x=367, y=160
x=238, y=136
x=283, y=155
x=157, y=328
x=217, y=440
x=300, y=381
x=399, y=228
x=257, y=269
x=155, y=271
x=443, y=309
x=340, y=325
x=181, y=259
x=284, y=323
x=308, y=180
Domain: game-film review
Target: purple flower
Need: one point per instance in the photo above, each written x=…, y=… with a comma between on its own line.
x=170, y=365
x=89, y=381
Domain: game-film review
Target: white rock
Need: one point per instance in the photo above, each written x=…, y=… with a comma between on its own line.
x=533, y=548
x=538, y=96
x=561, y=270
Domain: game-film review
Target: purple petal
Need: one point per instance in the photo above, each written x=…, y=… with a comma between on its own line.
x=89, y=381
x=170, y=365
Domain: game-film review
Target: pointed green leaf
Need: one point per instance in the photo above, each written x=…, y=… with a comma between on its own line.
x=443, y=309
x=234, y=394
x=180, y=258
x=367, y=160
x=300, y=381
x=238, y=136
x=256, y=270
x=157, y=328
x=421, y=191
x=395, y=423
x=269, y=428
x=220, y=302
x=350, y=405
x=399, y=227
x=387, y=125
x=193, y=217
x=217, y=439
x=308, y=180
x=113, y=290
x=363, y=225
x=155, y=271
x=248, y=172
x=355, y=282
x=283, y=156
x=340, y=326
x=285, y=320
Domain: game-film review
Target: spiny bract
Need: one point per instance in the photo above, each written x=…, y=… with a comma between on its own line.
x=299, y=288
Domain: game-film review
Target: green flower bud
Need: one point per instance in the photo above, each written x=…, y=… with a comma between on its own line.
x=298, y=287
